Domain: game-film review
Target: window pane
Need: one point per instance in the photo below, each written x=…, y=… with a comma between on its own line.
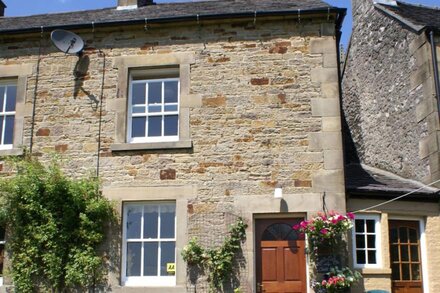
x=138, y=109
x=359, y=225
x=138, y=126
x=169, y=108
x=168, y=255
x=360, y=241
x=9, y=129
x=405, y=272
x=154, y=92
x=371, y=256
x=155, y=126
x=394, y=250
x=413, y=236
x=134, y=215
x=395, y=268
x=167, y=221
x=10, y=98
x=415, y=271
x=154, y=109
x=150, y=258
x=370, y=226
x=171, y=92
x=371, y=241
x=150, y=221
x=138, y=93
x=2, y=97
x=414, y=253
x=404, y=253
x=133, y=259
x=393, y=235
x=360, y=256
x=171, y=124
x=403, y=233
x=2, y=234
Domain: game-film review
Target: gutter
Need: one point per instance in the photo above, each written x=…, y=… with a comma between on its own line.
x=435, y=67
x=340, y=13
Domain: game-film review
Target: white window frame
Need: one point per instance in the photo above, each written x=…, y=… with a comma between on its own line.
x=3, y=114
x=162, y=113
x=146, y=281
x=378, y=248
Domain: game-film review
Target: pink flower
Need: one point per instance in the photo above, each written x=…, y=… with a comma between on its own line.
x=324, y=231
x=296, y=227
x=304, y=224
x=350, y=215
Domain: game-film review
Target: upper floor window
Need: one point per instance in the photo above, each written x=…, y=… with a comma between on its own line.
x=8, y=94
x=153, y=110
x=366, y=241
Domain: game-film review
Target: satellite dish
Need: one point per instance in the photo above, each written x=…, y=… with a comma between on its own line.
x=67, y=42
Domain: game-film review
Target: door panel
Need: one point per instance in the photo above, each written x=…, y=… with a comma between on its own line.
x=406, y=266
x=281, y=265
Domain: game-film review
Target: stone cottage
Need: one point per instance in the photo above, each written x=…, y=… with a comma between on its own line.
x=192, y=114
x=391, y=108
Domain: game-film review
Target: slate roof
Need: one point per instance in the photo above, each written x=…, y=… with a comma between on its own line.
x=417, y=17
x=365, y=180
x=163, y=12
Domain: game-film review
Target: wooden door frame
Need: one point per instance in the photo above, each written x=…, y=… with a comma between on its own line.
x=280, y=216
x=423, y=247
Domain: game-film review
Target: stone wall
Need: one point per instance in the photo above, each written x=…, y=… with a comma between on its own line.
x=264, y=112
x=385, y=88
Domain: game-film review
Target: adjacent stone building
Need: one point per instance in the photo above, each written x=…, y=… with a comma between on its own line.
x=191, y=114
x=391, y=108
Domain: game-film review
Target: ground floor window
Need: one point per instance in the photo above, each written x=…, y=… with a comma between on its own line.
x=366, y=241
x=149, y=244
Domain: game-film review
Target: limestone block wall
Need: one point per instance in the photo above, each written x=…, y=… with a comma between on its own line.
x=388, y=96
x=263, y=110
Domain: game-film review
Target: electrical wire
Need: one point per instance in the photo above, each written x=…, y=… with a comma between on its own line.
x=394, y=199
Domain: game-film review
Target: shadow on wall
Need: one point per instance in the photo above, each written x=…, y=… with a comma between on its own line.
x=81, y=73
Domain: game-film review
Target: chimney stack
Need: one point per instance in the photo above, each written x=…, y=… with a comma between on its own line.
x=2, y=8
x=133, y=4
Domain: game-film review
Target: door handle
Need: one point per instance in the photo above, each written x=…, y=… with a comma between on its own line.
x=260, y=288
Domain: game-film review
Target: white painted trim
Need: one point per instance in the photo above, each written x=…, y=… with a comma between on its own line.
x=423, y=250
x=378, y=243
x=146, y=281
x=162, y=113
x=128, y=7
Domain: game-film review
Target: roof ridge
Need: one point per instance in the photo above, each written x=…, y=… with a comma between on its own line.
x=418, y=5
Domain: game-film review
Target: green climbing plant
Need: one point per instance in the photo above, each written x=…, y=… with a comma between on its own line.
x=56, y=226
x=217, y=261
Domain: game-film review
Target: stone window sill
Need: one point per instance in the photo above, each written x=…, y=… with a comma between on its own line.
x=123, y=147
x=375, y=271
x=177, y=289
x=11, y=152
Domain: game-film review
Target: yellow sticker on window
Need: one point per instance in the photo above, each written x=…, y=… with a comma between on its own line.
x=171, y=267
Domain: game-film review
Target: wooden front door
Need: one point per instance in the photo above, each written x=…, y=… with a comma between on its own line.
x=405, y=258
x=281, y=258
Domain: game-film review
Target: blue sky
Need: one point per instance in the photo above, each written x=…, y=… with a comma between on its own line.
x=28, y=7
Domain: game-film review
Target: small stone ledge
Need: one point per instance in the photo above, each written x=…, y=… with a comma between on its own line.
x=375, y=271
x=121, y=289
x=11, y=152
x=122, y=147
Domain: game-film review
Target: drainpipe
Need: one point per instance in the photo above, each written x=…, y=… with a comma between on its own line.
x=435, y=67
